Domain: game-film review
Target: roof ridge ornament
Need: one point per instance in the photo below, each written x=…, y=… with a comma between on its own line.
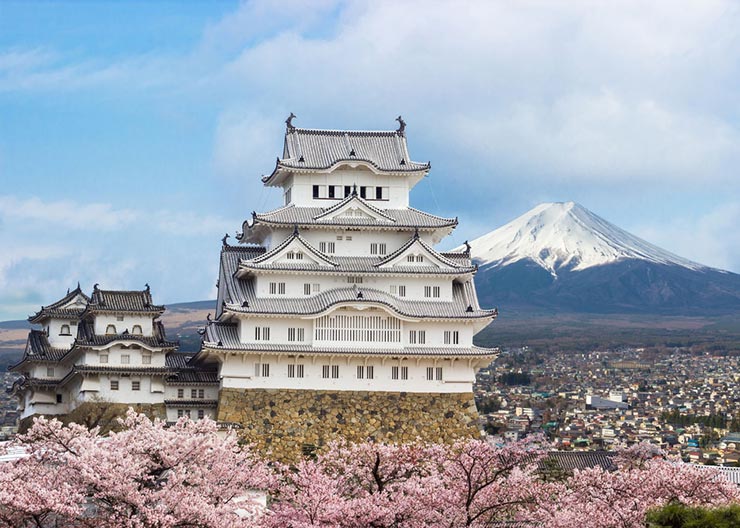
x=289, y=122
x=223, y=240
x=147, y=288
x=467, y=248
x=401, y=126
x=354, y=189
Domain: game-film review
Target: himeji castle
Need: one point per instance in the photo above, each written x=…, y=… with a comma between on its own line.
x=108, y=350
x=336, y=316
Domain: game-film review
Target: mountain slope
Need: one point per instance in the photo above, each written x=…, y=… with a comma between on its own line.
x=562, y=256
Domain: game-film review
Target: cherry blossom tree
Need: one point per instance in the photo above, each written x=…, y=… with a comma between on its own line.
x=147, y=475
x=468, y=484
x=644, y=479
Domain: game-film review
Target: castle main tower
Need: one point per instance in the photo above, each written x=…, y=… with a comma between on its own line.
x=335, y=314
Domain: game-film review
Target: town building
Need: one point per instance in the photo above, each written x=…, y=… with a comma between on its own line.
x=108, y=349
x=336, y=316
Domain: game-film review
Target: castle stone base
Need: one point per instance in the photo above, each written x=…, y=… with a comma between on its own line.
x=289, y=423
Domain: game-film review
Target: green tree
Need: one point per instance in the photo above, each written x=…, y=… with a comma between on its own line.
x=680, y=516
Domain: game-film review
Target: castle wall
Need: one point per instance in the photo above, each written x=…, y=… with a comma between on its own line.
x=286, y=422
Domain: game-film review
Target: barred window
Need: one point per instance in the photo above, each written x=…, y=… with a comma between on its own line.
x=358, y=329
x=369, y=372
x=135, y=385
x=113, y=385
x=325, y=371
x=180, y=393
x=335, y=371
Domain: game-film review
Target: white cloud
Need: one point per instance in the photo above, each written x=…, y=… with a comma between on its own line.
x=64, y=213
x=712, y=238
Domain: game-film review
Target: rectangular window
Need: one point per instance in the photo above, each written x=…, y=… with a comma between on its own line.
x=378, y=193
x=452, y=337
x=410, y=258
x=201, y=393
x=135, y=385
x=402, y=291
x=316, y=288
x=360, y=372
x=363, y=192
x=306, y=289
x=49, y=372
x=378, y=248
x=394, y=372
x=354, y=279
x=299, y=371
x=291, y=371
x=201, y=414
x=327, y=247
x=315, y=191
x=187, y=413
x=265, y=370
x=113, y=385
x=438, y=370
x=288, y=194
x=104, y=358
x=180, y=413
x=257, y=370
x=394, y=289
x=125, y=359
x=335, y=371
x=296, y=334
x=331, y=191
x=193, y=393
x=146, y=359
x=417, y=337
x=119, y=318
x=262, y=333
x=348, y=237
x=340, y=237
x=180, y=393
x=277, y=288
x=325, y=371
x=430, y=373
x=59, y=398
x=431, y=291
x=419, y=258
x=347, y=190
x=369, y=371
x=404, y=373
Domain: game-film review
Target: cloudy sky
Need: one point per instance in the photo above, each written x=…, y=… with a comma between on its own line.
x=132, y=137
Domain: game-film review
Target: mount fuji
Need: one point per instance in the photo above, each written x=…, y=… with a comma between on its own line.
x=562, y=256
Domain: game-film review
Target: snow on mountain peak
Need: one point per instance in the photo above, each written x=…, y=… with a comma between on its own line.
x=566, y=235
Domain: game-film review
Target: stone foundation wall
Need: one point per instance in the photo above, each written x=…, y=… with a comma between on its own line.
x=287, y=423
x=101, y=414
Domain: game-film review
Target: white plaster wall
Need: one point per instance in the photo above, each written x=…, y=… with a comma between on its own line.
x=103, y=320
x=125, y=394
x=61, y=341
x=238, y=371
x=210, y=391
x=294, y=285
x=135, y=352
x=302, y=187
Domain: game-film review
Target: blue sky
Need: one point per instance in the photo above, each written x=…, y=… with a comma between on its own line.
x=133, y=135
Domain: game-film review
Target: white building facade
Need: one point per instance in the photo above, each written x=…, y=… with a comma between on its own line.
x=340, y=291
x=108, y=348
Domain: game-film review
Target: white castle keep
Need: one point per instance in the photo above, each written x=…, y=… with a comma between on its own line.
x=338, y=296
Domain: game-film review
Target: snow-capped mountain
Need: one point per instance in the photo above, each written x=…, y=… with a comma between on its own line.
x=567, y=235
x=561, y=255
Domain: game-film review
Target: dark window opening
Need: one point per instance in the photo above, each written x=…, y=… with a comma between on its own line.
x=59, y=398
x=363, y=192
x=347, y=190
x=378, y=193
x=331, y=191
x=315, y=191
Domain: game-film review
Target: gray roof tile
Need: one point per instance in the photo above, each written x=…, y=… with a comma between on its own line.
x=123, y=301
x=310, y=149
x=56, y=309
x=408, y=218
